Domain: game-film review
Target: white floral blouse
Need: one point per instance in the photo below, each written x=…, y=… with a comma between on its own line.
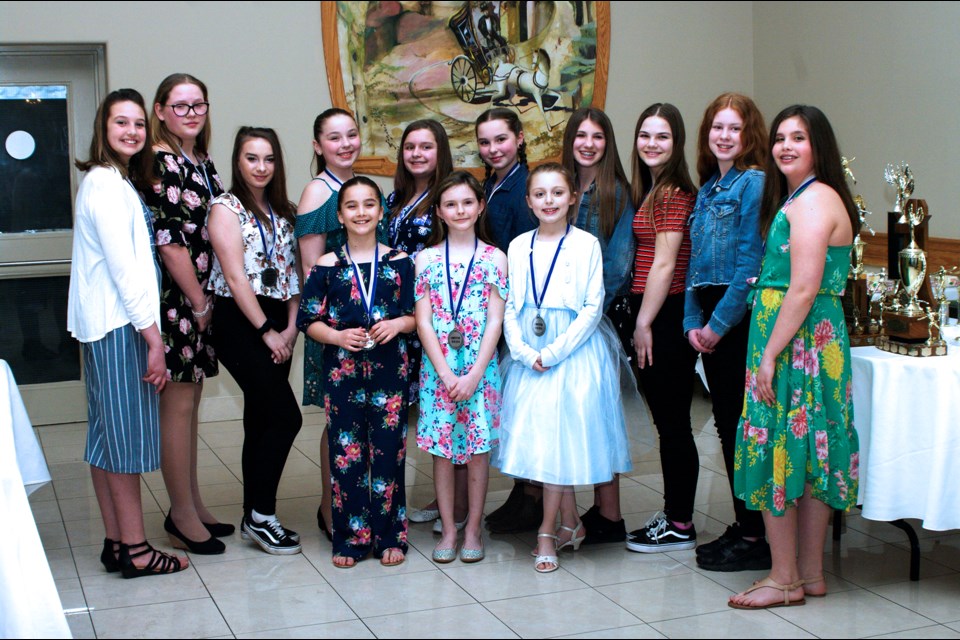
x=283, y=257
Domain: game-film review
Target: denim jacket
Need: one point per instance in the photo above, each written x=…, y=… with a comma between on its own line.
x=726, y=246
x=617, y=250
x=507, y=210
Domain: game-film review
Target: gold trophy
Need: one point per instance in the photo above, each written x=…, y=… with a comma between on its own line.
x=913, y=265
x=856, y=299
x=900, y=178
x=908, y=330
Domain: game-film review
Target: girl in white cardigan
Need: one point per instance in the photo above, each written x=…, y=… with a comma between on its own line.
x=114, y=311
x=562, y=422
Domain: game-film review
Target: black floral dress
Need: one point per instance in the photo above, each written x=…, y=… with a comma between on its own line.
x=365, y=395
x=179, y=203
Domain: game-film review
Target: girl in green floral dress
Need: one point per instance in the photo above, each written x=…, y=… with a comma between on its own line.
x=797, y=451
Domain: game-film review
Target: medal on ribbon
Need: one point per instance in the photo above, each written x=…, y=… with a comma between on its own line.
x=539, y=324
x=455, y=339
x=367, y=291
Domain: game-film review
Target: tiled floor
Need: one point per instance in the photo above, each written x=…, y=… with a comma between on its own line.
x=599, y=592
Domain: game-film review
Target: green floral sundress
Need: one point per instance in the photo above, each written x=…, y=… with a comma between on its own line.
x=808, y=437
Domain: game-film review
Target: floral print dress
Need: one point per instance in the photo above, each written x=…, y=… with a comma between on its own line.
x=366, y=404
x=808, y=436
x=323, y=219
x=459, y=430
x=179, y=204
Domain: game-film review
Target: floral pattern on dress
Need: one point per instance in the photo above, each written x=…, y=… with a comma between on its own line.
x=366, y=405
x=179, y=203
x=808, y=436
x=323, y=219
x=283, y=257
x=459, y=430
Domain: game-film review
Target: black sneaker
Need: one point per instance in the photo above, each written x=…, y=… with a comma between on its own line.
x=659, y=535
x=271, y=536
x=732, y=533
x=293, y=535
x=737, y=554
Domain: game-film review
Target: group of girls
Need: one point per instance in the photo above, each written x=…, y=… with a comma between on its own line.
x=645, y=269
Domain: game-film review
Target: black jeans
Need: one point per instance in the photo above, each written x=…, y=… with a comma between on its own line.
x=667, y=386
x=726, y=373
x=271, y=416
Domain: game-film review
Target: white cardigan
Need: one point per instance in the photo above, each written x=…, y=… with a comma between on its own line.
x=113, y=278
x=577, y=279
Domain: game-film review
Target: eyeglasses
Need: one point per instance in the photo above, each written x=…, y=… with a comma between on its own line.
x=181, y=109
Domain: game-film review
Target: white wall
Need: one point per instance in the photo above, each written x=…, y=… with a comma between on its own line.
x=887, y=76
x=885, y=73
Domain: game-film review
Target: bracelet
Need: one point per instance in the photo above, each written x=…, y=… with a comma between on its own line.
x=201, y=314
x=266, y=326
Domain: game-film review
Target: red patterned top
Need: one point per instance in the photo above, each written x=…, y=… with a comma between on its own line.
x=670, y=215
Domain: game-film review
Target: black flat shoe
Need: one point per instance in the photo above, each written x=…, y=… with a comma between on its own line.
x=109, y=555
x=160, y=562
x=220, y=529
x=601, y=530
x=323, y=524
x=209, y=547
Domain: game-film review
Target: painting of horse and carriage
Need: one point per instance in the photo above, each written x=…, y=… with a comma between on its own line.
x=395, y=62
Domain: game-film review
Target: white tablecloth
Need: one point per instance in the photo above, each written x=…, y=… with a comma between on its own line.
x=29, y=604
x=907, y=414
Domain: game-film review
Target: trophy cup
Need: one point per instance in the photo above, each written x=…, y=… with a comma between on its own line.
x=938, y=287
x=913, y=265
x=908, y=330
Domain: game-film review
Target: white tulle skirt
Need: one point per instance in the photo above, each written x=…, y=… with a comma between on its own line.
x=569, y=425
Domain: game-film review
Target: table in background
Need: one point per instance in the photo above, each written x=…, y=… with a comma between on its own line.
x=29, y=603
x=907, y=415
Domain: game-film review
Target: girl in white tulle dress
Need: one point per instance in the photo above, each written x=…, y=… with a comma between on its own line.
x=562, y=421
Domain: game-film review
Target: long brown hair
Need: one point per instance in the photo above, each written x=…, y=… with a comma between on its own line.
x=675, y=174
x=513, y=123
x=161, y=134
x=404, y=185
x=610, y=172
x=140, y=167
x=438, y=228
x=319, y=163
x=276, y=191
x=753, y=136
x=826, y=165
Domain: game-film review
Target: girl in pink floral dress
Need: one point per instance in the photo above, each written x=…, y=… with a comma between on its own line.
x=460, y=292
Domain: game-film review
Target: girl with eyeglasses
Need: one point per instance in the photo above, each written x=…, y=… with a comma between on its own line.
x=179, y=201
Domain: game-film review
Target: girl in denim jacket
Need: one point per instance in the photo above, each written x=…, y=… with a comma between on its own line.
x=725, y=254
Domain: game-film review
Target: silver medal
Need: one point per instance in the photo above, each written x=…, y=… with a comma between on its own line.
x=455, y=340
x=539, y=326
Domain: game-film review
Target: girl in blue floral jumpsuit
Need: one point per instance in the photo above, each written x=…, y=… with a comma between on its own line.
x=361, y=319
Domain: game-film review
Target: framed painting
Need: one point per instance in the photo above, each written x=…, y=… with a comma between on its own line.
x=391, y=63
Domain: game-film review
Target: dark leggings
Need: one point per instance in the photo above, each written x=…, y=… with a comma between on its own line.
x=725, y=369
x=667, y=386
x=271, y=416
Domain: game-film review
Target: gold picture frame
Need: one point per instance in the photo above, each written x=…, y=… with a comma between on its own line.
x=393, y=63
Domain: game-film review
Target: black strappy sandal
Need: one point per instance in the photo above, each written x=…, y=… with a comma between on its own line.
x=109, y=555
x=160, y=562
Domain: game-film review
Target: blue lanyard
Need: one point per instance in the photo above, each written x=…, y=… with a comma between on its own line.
x=334, y=178
x=798, y=191
x=533, y=278
x=496, y=187
x=466, y=278
x=367, y=294
x=263, y=237
x=200, y=168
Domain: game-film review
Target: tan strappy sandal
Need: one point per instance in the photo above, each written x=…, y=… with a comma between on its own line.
x=768, y=583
